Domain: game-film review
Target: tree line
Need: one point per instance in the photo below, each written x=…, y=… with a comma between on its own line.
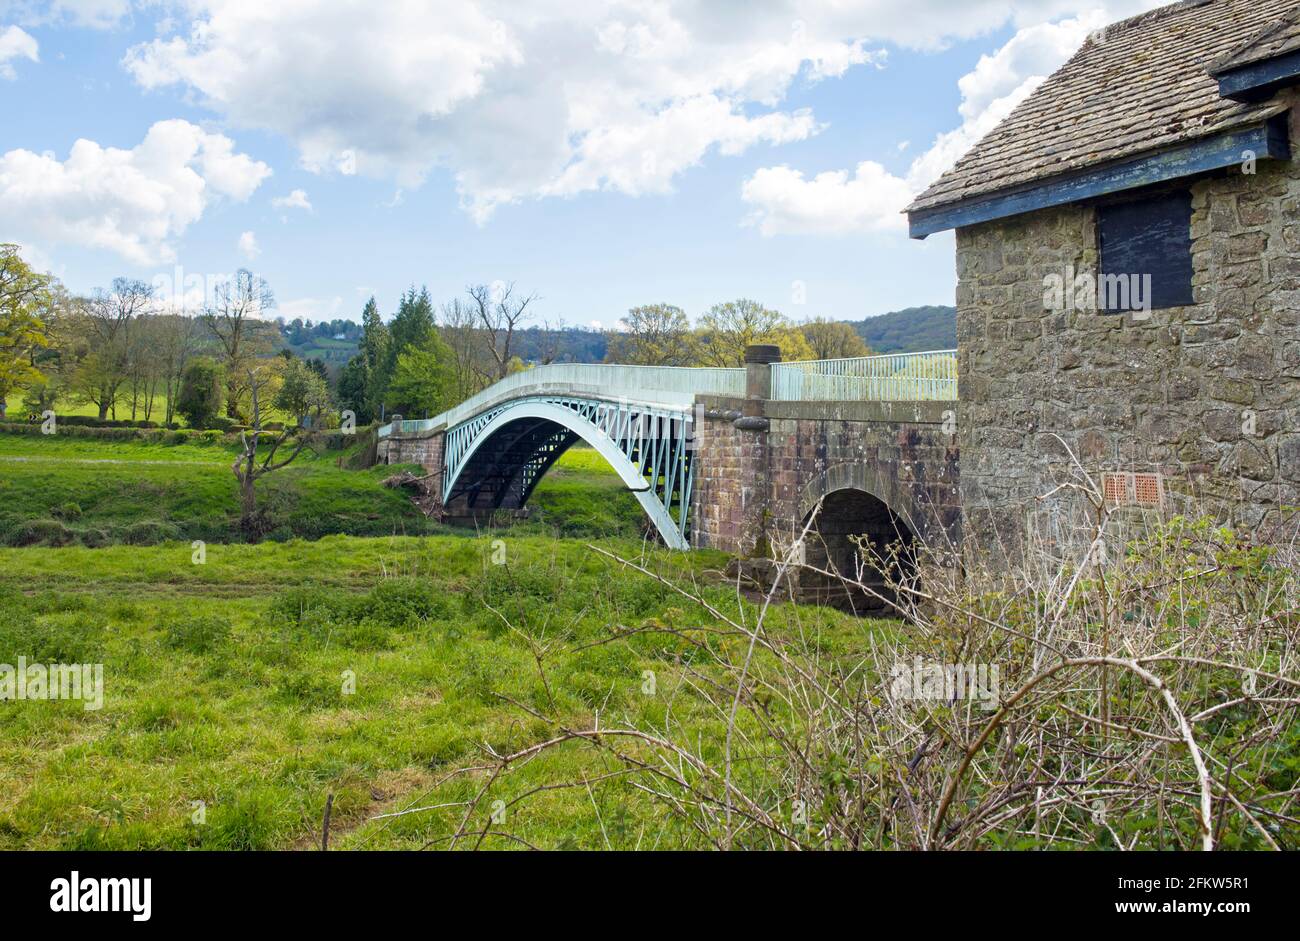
x=126, y=352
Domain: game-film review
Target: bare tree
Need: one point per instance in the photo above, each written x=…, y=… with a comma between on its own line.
x=106, y=319
x=234, y=316
x=460, y=330
x=500, y=312
x=259, y=446
x=179, y=338
x=550, y=339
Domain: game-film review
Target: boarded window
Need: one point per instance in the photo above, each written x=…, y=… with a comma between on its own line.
x=1146, y=253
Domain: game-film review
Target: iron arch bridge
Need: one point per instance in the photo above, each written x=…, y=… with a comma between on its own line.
x=490, y=451
x=494, y=460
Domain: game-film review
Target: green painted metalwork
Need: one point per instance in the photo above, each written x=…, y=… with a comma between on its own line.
x=894, y=377
x=641, y=419
x=651, y=449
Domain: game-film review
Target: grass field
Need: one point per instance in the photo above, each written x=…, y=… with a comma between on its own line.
x=65, y=490
x=224, y=699
x=223, y=684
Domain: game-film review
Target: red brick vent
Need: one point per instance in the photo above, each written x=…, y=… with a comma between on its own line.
x=1126, y=489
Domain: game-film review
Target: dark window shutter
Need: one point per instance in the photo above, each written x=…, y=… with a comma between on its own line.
x=1147, y=237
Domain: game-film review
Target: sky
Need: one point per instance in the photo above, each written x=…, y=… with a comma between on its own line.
x=599, y=155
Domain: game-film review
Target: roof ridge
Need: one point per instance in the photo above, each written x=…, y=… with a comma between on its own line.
x=1159, y=13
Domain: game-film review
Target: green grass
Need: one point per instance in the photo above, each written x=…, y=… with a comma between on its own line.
x=61, y=489
x=224, y=684
x=224, y=679
x=90, y=410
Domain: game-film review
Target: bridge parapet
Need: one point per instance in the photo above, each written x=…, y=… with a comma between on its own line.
x=892, y=377
x=656, y=385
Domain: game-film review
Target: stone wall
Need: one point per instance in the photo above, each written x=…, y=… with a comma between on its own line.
x=1207, y=394
x=754, y=487
x=424, y=449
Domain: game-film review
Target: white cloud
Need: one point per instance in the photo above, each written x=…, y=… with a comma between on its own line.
x=516, y=101
x=248, y=245
x=833, y=203
x=94, y=14
x=295, y=200
x=134, y=202
x=16, y=44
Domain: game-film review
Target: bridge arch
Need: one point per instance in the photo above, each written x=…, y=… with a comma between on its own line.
x=856, y=510
x=494, y=460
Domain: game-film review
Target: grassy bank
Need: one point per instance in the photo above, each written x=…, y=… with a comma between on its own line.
x=67, y=490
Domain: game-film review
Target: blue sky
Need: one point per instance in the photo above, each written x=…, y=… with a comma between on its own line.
x=637, y=153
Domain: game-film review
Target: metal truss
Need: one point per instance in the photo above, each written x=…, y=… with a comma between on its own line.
x=495, y=459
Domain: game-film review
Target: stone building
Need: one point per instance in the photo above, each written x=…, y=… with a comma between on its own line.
x=1128, y=260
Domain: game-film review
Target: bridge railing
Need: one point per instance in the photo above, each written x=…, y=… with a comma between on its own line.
x=668, y=385
x=893, y=377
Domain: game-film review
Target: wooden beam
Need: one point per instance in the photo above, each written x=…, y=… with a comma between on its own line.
x=1259, y=80
x=1267, y=140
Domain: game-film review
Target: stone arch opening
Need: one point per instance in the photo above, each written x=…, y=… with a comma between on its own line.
x=856, y=537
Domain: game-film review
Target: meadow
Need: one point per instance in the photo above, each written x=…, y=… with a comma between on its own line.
x=228, y=715
x=65, y=490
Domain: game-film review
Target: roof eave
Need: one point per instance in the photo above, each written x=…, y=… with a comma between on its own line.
x=1257, y=81
x=1267, y=139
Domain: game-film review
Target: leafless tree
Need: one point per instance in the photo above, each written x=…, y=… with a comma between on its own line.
x=500, y=312
x=459, y=327
x=259, y=446
x=549, y=341
x=235, y=317
x=106, y=320
x=179, y=338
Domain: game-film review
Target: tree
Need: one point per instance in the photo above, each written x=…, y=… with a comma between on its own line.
x=367, y=376
x=107, y=319
x=303, y=391
x=424, y=379
x=353, y=388
x=201, y=388
x=500, y=312
x=471, y=365
x=413, y=324
x=728, y=328
x=179, y=338
x=833, y=339
x=234, y=315
x=259, y=446
x=25, y=297
x=653, y=335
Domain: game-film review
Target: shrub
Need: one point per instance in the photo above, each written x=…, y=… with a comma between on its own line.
x=400, y=602
x=198, y=635
x=63, y=637
x=150, y=533
x=200, y=393
x=41, y=532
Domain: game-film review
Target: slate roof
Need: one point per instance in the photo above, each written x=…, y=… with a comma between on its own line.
x=1276, y=39
x=1140, y=86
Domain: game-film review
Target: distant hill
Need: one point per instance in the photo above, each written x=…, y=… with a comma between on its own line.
x=913, y=330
